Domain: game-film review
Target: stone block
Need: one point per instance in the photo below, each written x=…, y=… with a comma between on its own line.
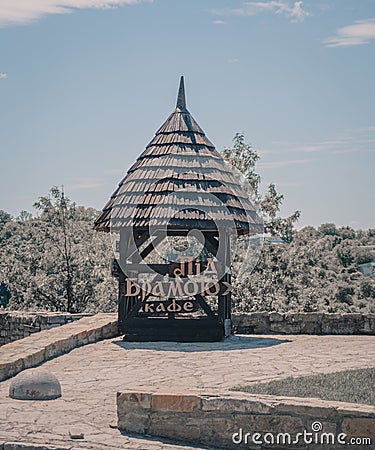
x=359, y=427
x=76, y=433
x=311, y=327
x=261, y=323
x=29, y=446
x=60, y=346
x=217, y=429
x=35, y=358
x=329, y=427
x=127, y=401
x=110, y=330
x=134, y=422
x=228, y=404
x=32, y=328
x=56, y=319
x=82, y=337
x=341, y=323
x=276, y=317
x=239, y=325
x=269, y=423
x=174, y=427
x=94, y=334
x=304, y=323
x=313, y=408
x=355, y=410
x=16, y=366
x=368, y=325
x=175, y=402
x=51, y=350
x=293, y=317
x=285, y=328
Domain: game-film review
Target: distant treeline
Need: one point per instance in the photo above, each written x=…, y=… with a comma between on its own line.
x=56, y=261
x=317, y=271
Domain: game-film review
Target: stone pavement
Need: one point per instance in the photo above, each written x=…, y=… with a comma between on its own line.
x=91, y=375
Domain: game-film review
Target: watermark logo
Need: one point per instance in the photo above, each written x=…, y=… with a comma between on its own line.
x=198, y=263
x=316, y=436
x=317, y=426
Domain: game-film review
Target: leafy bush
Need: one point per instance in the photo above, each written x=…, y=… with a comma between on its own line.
x=317, y=271
x=56, y=261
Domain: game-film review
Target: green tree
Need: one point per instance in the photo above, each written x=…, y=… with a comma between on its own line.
x=4, y=219
x=317, y=271
x=244, y=158
x=269, y=208
x=56, y=261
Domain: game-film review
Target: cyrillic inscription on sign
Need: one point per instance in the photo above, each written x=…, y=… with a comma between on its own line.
x=170, y=306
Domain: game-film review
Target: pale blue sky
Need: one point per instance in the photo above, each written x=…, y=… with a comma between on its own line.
x=84, y=84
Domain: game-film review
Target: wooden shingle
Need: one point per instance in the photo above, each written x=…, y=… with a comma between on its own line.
x=180, y=179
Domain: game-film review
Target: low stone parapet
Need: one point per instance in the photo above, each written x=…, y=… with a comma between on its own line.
x=16, y=325
x=39, y=347
x=303, y=323
x=240, y=420
x=25, y=446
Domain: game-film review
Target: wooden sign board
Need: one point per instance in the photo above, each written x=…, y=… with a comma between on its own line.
x=170, y=306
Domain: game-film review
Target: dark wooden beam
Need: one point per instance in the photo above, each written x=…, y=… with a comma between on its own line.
x=204, y=305
x=152, y=245
x=133, y=311
x=138, y=242
x=211, y=243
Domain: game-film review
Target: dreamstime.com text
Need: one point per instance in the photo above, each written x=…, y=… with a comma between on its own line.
x=317, y=436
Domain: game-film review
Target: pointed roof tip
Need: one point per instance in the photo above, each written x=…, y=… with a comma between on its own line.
x=181, y=102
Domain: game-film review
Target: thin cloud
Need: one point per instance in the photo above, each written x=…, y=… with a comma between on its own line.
x=357, y=140
x=264, y=151
x=279, y=164
x=13, y=12
x=292, y=10
x=321, y=146
x=115, y=172
x=3, y=75
x=359, y=33
x=218, y=22
x=79, y=186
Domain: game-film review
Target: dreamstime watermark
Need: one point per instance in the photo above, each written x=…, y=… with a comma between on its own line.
x=317, y=436
x=192, y=271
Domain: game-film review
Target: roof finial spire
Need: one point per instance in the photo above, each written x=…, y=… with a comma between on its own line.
x=181, y=102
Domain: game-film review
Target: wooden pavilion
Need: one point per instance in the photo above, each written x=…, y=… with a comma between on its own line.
x=179, y=185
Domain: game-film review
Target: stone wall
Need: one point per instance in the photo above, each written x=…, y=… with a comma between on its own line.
x=40, y=347
x=16, y=325
x=213, y=419
x=303, y=323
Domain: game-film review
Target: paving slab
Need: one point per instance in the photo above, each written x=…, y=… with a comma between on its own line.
x=91, y=375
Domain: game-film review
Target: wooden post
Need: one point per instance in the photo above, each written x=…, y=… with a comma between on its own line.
x=121, y=301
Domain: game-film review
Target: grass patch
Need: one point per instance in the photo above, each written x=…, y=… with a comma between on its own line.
x=353, y=386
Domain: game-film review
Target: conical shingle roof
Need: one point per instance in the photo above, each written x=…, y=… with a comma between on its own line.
x=180, y=180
